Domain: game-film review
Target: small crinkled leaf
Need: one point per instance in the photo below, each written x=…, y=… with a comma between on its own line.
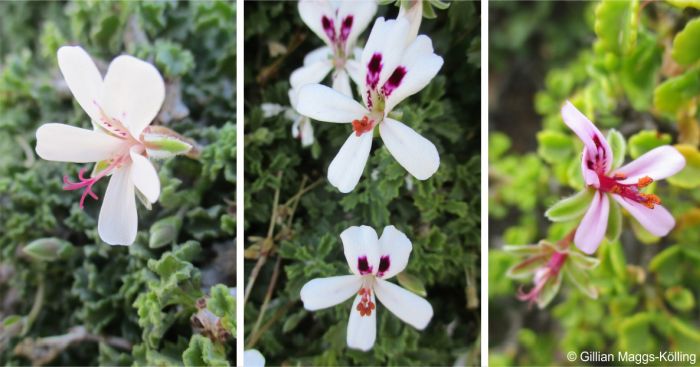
x=680, y=298
x=645, y=141
x=676, y=93
x=202, y=352
x=554, y=146
x=614, y=229
x=686, y=44
x=49, y=249
x=689, y=176
x=570, y=208
x=412, y=283
x=618, y=146
x=160, y=146
x=223, y=304
x=581, y=280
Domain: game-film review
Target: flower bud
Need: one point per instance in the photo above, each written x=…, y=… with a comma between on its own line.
x=165, y=231
x=49, y=249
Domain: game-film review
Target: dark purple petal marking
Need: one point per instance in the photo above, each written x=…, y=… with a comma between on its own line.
x=345, y=28
x=328, y=27
x=384, y=263
x=374, y=67
x=394, y=81
x=363, y=265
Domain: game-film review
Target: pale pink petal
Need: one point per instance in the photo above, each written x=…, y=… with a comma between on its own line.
x=253, y=358
x=341, y=83
x=310, y=74
x=118, y=220
x=592, y=228
x=358, y=14
x=658, y=163
x=588, y=132
x=414, y=152
x=419, y=65
x=65, y=143
x=312, y=13
x=414, y=15
x=133, y=93
x=361, y=248
x=325, y=104
x=83, y=78
x=362, y=330
x=346, y=168
x=385, y=45
x=394, y=250
x=590, y=177
x=326, y=292
x=657, y=221
x=144, y=176
x=319, y=54
x=407, y=306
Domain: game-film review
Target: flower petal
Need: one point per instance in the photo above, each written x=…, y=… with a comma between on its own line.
x=354, y=70
x=312, y=13
x=310, y=74
x=325, y=104
x=362, y=330
x=595, y=142
x=341, y=83
x=144, y=176
x=319, y=54
x=658, y=163
x=118, y=220
x=133, y=93
x=253, y=358
x=361, y=248
x=306, y=132
x=83, y=78
x=407, y=306
x=361, y=13
x=414, y=152
x=657, y=221
x=387, y=42
x=65, y=143
x=414, y=15
x=346, y=168
x=326, y=292
x=590, y=177
x=394, y=250
x=592, y=228
x=420, y=65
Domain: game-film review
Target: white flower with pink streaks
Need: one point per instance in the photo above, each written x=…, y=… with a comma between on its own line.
x=372, y=261
x=121, y=107
x=392, y=70
x=338, y=24
x=623, y=184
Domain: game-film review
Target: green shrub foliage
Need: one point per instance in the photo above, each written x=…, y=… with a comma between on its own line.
x=630, y=66
x=68, y=298
x=293, y=216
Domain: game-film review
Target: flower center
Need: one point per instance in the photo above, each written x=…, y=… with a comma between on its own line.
x=629, y=191
x=113, y=125
x=365, y=306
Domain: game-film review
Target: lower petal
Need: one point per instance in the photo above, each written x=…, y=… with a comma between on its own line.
x=65, y=143
x=409, y=307
x=591, y=230
x=341, y=83
x=310, y=74
x=118, y=221
x=414, y=152
x=145, y=177
x=362, y=330
x=326, y=292
x=347, y=166
x=658, y=221
x=658, y=163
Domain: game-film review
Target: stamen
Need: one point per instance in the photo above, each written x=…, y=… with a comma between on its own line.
x=87, y=183
x=629, y=191
x=644, y=182
x=362, y=126
x=365, y=306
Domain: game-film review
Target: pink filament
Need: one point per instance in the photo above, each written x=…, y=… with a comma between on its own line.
x=87, y=183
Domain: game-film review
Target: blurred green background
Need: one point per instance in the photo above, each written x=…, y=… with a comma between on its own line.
x=68, y=298
x=627, y=65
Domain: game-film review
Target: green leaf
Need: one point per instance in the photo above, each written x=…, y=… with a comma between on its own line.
x=223, y=304
x=680, y=298
x=616, y=26
x=639, y=73
x=583, y=261
x=550, y=289
x=689, y=176
x=635, y=333
x=676, y=93
x=554, y=146
x=614, y=229
x=686, y=44
x=618, y=146
x=527, y=267
x=570, y=208
x=49, y=249
x=685, y=3
x=581, y=280
x=687, y=330
x=412, y=283
x=202, y=352
x=645, y=141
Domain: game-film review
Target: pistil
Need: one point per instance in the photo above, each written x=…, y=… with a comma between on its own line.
x=87, y=183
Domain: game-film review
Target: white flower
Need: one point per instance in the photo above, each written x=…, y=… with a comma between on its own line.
x=392, y=70
x=338, y=24
x=371, y=261
x=253, y=358
x=301, y=125
x=121, y=107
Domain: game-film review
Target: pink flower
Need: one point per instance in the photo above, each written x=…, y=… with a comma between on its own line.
x=622, y=184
